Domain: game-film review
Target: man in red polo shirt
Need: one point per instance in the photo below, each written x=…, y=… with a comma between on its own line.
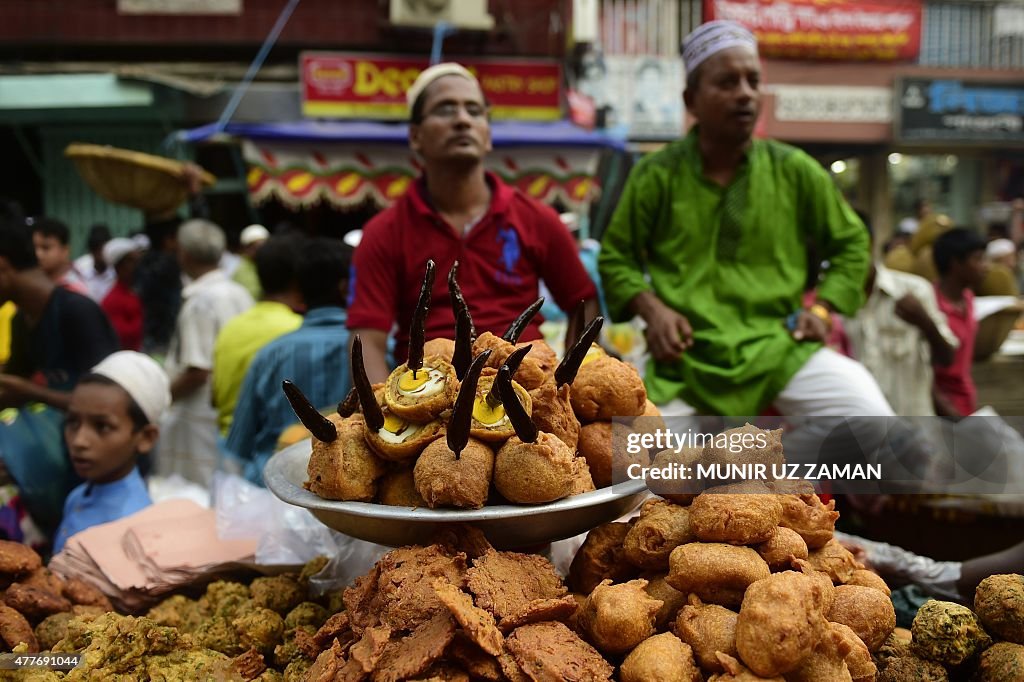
x=505, y=241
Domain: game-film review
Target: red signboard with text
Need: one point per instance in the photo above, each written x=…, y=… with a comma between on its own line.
x=827, y=29
x=339, y=85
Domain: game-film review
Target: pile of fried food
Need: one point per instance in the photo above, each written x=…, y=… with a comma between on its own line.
x=948, y=641
x=473, y=421
x=34, y=597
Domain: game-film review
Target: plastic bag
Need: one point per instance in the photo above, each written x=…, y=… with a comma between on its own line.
x=289, y=535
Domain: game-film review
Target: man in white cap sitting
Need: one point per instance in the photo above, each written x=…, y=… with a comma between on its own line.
x=505, y=242
x=252, y=240
x=112, y=420
x=709, y=245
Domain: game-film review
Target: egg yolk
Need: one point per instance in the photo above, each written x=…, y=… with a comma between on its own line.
x=593, y=354
x=410, y=381
x=393, y=424
x=487, y=415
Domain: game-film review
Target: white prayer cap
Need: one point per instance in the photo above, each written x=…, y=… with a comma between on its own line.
x=709, y=39
x=431, y=74
x=909, y=225
x=253, y=234
x=997, y=248
x=143, y=379
x=117, y=248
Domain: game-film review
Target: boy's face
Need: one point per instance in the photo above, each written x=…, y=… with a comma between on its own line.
x=101, y=437
x=973, y=270
x=53, y=256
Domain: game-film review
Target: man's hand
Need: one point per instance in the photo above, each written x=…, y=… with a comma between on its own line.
x=668, y=333
x=810, y=327
x=14, y=389
x=192, y=176
x=910, y=310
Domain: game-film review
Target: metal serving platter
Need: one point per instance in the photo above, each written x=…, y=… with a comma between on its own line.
x=506, y=526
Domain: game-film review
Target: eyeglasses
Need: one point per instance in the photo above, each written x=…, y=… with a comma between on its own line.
x=450, y=110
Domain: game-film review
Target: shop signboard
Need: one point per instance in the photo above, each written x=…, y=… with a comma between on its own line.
x=837, y=29
x=370, y=86
x=953, y=110
x=179, y=6
x=831, y=104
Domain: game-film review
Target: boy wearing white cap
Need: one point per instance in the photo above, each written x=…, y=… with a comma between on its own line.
x=709, y=245
x=112, y=419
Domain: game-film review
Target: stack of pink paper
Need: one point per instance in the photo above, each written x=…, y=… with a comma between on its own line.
x=140, y=557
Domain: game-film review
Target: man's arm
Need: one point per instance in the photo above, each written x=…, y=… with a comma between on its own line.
x=188, y=382
x=973, y=571
x=913, y=312
x=15, y=391
x=944, y=406
x=375, y=353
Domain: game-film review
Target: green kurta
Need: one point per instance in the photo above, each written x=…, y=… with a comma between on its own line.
x=733, y=260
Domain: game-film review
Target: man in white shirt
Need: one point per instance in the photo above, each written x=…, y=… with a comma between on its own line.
x=189, y=441
x=97, y=274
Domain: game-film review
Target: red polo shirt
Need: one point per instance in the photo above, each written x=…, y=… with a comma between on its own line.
x=955, y=381
x=518, y=242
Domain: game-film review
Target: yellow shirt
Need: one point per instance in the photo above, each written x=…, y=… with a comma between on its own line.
x=237, y=344
x=7, y=311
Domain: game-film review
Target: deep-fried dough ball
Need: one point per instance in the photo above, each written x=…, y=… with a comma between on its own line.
x=398, y=489
x=828, y=591
x=615, y=618
x=782, y=548
x=52, y=629
x=1002, y=662
x=676, y=489
x=44, y=579
x=866, y=578
x=866, y=611
x=671, y=600
x=814, y=521
x=606, y=388
x=780, y=623
x=735, y=519
x=737, y=672
x=17, y=559
x=34, y=603
x=835, y=560
x=345, y=469
x=827, y=662
x=582, y=481
x=260, y=629
x=743, y=446
x=999, y=603
x=442, y=348
x=306, y=613
x=662, y=527
x=15, y=630
x=663, y=658
x=552, y=413
x=947, y=633
x=858, y=661
x=708, y=629
x=81, y=592
x=530, y=374
x=444, y=480
x=601, y=556
x=277, y=593
x=603, y=444
x=534, y=473
x=717, y=573
x=911, y=668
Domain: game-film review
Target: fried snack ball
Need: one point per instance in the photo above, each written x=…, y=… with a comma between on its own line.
x=81, y=592
x=866, y=578
x=606, y=388
x=582, y=481
x=1002, y=662
x=835, y=560
x=734, y=671
x=176, y=612
x=999, y=603
x=530, y=374
x=34, y=603
x=671, y=600
x=225, y=598
x=615, y=618
x=534, y=473
x=278, y=593
x=398, y=489
x=551, y=651
x=600, y=556
x=306, y=613
x=808, y=516
x=911, y=668
x=552, y=413
x=675, y=489
x=219, y=633
x=782, y=548
x=663, y=658
x=947, y=633
x=345, y=469
x=44, y=579
x=442, y=348
x=52, y=629
x=446, y=480
x=17, y=559
x=780, y=623
x=708, y=629
x=716, y=573
x=866, y=611
x=661, y=528
x=746, y=445
x=604, y=446
x=827, y=662
x=828, y=590
x=541, y=353
x=858, y=661
x=735, y=519
x=260, y=629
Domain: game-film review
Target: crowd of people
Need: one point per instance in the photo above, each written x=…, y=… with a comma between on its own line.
x=164, y=354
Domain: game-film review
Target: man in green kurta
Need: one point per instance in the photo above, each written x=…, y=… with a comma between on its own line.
x=709, y=245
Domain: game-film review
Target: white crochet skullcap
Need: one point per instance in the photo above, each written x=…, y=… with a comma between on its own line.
x=142, y=378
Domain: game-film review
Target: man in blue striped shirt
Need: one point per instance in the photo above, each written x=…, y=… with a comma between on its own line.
x=314, y=357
